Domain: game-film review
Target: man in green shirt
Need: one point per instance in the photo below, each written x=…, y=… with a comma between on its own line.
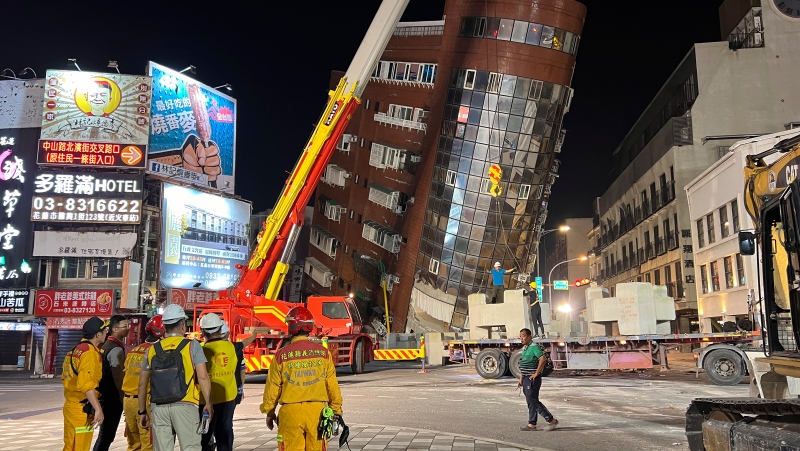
x=531, y=366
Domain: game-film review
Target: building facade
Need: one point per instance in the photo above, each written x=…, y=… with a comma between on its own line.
x=726, y=281
x=720, y=93
x=413, y=172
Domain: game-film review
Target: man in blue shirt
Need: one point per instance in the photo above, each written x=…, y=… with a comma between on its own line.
x=531, y=366
x=498, y=285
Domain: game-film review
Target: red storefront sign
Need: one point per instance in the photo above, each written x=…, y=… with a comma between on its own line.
x=187, y=298
x=91, y=154
x=66, y=322
x=74, y=303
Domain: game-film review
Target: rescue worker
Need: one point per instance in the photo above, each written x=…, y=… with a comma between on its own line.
x=222, y=367
x=81, y=373
x=138, y=437
x=110, y=388
x=242, y=373
x=302, y=378
x=177, y=417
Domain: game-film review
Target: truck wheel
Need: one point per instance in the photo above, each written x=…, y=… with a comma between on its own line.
x=513, y=363
x=491, y=363
x=724, y=367
x=357, y=366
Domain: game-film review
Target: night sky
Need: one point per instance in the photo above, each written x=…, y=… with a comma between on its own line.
x=279, y=65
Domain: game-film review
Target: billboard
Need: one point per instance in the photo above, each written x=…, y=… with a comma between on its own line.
x=80, y=197
x=74, y=303
x=188, y=298
x=204, y=238
x=96, y=107
x=83, y=244
x=90, y=155
x=21, y=103
x=17, y=171
x=193, y=126
x=14, y=301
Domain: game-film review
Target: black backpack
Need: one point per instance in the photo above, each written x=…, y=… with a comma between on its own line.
x=168, y=375
x=548, y=366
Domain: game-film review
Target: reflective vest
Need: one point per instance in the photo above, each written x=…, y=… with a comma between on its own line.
x=222, y=367
x=169, y=343
x=81, y=371
x=133, y=368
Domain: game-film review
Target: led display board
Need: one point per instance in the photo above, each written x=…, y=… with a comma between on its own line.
x=204, y=238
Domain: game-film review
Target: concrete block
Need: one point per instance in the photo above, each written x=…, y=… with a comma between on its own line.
x=639, y=308
x=663, y=328
x=599, y=329
x=513, y=314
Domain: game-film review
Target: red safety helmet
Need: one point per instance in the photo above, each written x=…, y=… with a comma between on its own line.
x=156, y=327
x=300, y=320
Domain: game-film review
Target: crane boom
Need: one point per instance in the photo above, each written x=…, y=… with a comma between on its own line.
x=270, y=257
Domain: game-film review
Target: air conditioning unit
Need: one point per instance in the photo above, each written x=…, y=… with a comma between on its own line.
x=398, y=210
x=758, y=39
x=410, y=200
x=353, y=138
x=415, y=158
x=757, y=23
x=395, y=279
x=346, y=175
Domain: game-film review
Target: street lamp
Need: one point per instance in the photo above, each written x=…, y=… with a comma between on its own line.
x=383, y=285
x=549, y=276
x=562, y=228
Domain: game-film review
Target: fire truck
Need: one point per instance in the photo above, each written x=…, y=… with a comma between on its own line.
x=251, y=306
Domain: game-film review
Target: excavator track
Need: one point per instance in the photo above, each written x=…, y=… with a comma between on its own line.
x=743, y=424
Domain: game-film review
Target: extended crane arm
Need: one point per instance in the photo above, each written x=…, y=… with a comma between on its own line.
x=764, y=181
x=271, y=255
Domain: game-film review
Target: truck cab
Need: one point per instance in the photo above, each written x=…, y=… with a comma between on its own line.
x=335, y=315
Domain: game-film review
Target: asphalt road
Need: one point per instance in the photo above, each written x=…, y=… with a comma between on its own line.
x=597, y=411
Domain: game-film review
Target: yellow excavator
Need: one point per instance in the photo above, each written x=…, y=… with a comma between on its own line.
x=770, y=419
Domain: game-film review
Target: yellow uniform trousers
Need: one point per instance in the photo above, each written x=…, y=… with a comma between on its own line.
x=138, y=437
x=297, y=427
x=77, y=427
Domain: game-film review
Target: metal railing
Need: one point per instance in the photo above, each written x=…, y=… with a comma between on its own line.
x=672, y=240
x=426, y=30
x=402, y=123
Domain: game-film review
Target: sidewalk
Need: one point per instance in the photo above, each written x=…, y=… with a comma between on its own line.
x=252, y=434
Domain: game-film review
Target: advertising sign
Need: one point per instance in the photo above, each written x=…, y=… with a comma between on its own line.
x=167, y=170
x=83, y=244
x=79, y=197
x=17, y=327
x=193, y=127
x=17, y=169
x=14, y=301
x=74, y=303
x=96, y=107
x=21, y=103
x=204, y=237
x=188, y=298
x=66, y=322
x=91, y=155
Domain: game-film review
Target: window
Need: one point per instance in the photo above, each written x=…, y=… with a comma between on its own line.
x=723, y=221
x=703, y=279
x=520, y=29
x=700, y=235
x=524, y=191
x=433, y=266
x=469, y=79
x=352, y=214
x=726, y=263
x=480, y=27
x=335, y=310
x=102, y=268
x=450, y=178
x=73, y=268
x=735, y=215
x=714, y=276
x=740, y=270
x=366, y=104
x=657, y=277
x=647, y=277
x=547, y=37
x=535, y=92
x=534, y=34
x=495, y=80
x=710, y=224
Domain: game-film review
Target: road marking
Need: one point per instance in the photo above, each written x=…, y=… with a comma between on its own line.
x=489, y=402
x=417, y=398
x=456, y=400
x=379, y=396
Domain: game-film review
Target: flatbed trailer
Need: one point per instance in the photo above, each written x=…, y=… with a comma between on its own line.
x=494, y=358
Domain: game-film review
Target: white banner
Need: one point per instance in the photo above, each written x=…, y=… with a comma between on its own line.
x=83, y=244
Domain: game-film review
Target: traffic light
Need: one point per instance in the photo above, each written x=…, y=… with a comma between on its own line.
x=581, y=282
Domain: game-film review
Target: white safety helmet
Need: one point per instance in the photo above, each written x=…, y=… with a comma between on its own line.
x=496, y=264
x=225, y=329
x=173, y=313
x=210, y=323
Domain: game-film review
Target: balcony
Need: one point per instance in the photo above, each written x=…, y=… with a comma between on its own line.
x=427, y=28
x=646, y=211
x=619, y=267
x=640, y=256
x=402, y=123
x=637, y=215
x=661, y=246
x=650, y=251
x=626, y=264
x=674, y=289
x=672, y=240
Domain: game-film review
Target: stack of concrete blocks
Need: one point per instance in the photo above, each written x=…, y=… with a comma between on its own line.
x=564, y=326
x=639, y=308
x=514, y=314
